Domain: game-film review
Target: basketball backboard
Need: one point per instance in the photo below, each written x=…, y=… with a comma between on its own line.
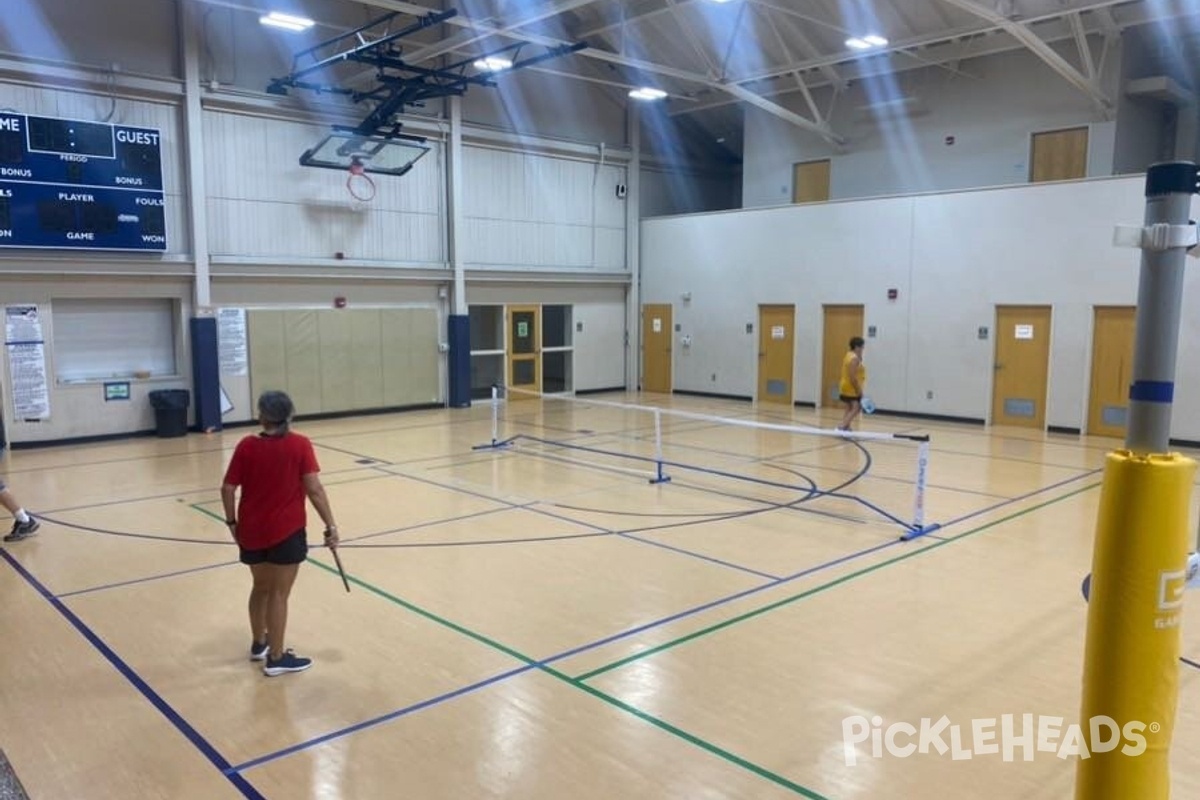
x=378, y=154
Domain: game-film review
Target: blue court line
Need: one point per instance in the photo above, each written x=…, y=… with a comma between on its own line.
x=700, y=556
x=580, y=523
x=217, y=760
x=370, y=723
x=1021, y=497
x=204, y=490
x=555, y=658
x=617, y=637
x=146, y=579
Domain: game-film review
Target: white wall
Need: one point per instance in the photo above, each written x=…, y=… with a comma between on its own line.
x=136, y=37
x=262, y=203
x=527, y=211
x=598, y=347
x=991, y=111
x=952, y=257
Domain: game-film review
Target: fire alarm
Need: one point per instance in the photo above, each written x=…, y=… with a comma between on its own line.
x=339, y=302
x=893, y=294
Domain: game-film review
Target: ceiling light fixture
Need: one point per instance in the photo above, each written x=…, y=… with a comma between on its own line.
x=647, y=93
x=866, y=42
x=493, y=64
x=286, y=21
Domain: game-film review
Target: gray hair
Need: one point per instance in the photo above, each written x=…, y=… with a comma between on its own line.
x=276, y=408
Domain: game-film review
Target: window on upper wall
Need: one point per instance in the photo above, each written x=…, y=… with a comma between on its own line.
x=95, y=339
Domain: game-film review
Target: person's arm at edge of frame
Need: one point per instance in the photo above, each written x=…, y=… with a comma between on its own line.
x=316, y=495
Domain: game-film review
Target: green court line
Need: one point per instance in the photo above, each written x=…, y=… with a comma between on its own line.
x=823, y=587
x=732, y=758
x=200, y=507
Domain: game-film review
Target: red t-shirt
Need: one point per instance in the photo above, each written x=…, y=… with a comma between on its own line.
x=270, y=470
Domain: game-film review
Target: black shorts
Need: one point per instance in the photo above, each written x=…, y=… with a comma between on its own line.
x=849, y=398
x=292, y=550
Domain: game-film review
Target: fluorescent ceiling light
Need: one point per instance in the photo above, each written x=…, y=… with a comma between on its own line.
x=493, y=64
x=647, y=93
x=286, y=21
x=866, y=42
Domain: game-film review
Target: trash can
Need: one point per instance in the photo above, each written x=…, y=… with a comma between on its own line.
x=170, y=412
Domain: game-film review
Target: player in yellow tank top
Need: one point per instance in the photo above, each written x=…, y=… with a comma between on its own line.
x=853, y=383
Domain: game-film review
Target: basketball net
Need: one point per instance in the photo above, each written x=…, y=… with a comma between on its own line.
x=360, y=185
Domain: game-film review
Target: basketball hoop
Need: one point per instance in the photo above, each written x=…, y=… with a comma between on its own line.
x=359, y=183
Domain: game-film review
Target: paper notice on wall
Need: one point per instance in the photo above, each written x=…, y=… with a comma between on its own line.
x=656, y=325
x=1024, y=332
x=778, y=332
x=28, y=387
x=231, y=341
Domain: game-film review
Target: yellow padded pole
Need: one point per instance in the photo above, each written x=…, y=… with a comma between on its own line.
x=1131, y=662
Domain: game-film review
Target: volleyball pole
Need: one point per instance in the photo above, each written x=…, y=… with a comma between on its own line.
x=1140, y=560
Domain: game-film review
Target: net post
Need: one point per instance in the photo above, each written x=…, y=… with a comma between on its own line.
x=495, y=415
x=659, y=476
x=495, y=444
x=918, y=527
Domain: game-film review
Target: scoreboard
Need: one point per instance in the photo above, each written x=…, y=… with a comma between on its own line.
x=67, y=184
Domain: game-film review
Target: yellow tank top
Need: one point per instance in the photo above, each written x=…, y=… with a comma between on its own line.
x=845, y=387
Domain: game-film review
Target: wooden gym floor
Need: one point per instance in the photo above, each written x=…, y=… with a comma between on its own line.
x=539, y=623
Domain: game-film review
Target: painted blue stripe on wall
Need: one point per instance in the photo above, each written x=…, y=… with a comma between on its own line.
x=1152, y=391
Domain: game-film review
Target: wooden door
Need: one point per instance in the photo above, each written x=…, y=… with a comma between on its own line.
x=524, y=350
x=842, y=323
x=776, y=353
x=1113, y=336
x=810, y=181
x=1022, y=366
x=656, y=348
x=1059, y=155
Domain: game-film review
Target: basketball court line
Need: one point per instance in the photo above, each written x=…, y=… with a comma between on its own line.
x=602, y=531
x=127, y=672
x=149, y=579
x=250, y=792
x=532, y=664
x=193, y=491
x=128, y=460
x=810, y=592
x=162, y=537
x=578, y=650
x=99, y=644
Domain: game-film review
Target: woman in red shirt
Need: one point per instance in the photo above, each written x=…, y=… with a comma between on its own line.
x=277, y=471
